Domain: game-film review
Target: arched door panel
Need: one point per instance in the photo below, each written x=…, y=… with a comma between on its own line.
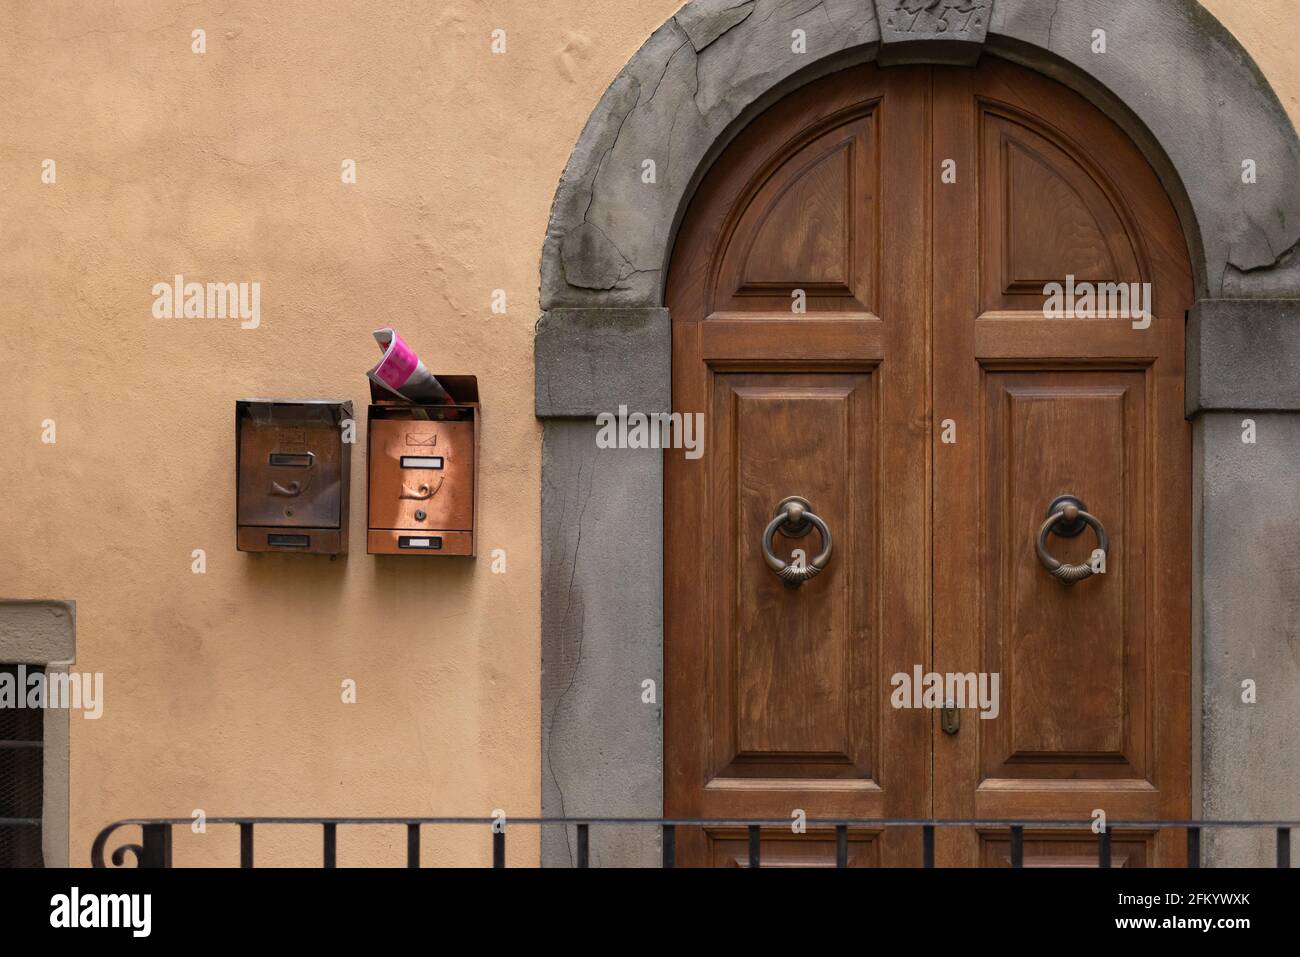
x=857, y=299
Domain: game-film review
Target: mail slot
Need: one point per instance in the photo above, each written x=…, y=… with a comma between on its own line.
x=292, y=472
x=422, y=485
x=422, y=461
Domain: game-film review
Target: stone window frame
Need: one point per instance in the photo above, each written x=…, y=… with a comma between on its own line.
x=604, y=340
x=42, y=632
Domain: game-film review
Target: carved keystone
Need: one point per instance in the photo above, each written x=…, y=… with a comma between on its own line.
x=932, y=31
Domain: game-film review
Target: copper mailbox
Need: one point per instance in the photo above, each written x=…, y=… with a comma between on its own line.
x=423, y=472
x=292, y=472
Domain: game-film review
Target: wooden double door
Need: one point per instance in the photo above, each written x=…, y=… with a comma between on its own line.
x=857, y=295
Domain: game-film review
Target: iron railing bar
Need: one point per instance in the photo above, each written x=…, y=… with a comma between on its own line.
x=245, y=845
x=155, y=845
x=331, y=843
x=20, y=822
x=17, y=745
x=729, y=822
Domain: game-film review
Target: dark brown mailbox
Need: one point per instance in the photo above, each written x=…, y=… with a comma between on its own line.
x=292, y=469
x=423, y=474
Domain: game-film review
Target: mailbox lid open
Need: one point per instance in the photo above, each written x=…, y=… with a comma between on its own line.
x=292, y=472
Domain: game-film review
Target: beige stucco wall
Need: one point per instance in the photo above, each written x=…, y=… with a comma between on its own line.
x=1270, y=32
x=223, y=689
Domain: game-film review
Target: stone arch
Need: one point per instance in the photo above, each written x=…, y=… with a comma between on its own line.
x=1184, y=90
x=1169, y=72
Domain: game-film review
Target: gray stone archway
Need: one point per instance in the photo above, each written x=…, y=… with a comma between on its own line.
x=1186, y=92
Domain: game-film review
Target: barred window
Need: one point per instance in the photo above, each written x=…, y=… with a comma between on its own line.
x=22, y=754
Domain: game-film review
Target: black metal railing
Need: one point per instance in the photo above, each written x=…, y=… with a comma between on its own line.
x=155, y=847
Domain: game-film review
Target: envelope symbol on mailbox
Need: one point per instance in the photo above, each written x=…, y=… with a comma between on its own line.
x=421, y=438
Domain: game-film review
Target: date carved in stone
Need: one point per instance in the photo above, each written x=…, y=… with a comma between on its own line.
x=904, y=20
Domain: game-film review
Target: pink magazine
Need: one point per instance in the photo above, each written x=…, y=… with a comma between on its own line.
x=401, y=372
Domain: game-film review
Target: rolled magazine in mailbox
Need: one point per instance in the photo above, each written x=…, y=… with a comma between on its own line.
x=422, y=436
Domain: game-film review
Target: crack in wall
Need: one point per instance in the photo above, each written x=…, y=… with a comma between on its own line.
x=710, y=22
x=582, y=635
x=591, y=194
x=628, y=268
x=1279, y=259
x=806, y=10
x=662, y=73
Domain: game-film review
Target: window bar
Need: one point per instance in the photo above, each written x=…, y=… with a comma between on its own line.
x=1284, y=847
x=927, y=845
x=670, y=845
x=841, y=845
x=1103, y=848
x=582, y=846
x=753, y=846
x=331, y=843
x=1017, y=845
x=1193, y=847
x=413, y=845
x=245, y=843
x=499, y=846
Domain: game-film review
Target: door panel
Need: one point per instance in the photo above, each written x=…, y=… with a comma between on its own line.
x=811, y=223
x=1074, y=681
x=729, y=847
x=1095, y=698
x=778, y=695
x=1064, y=848
x=1046, y=213
x=927, y=409
x=793, y=678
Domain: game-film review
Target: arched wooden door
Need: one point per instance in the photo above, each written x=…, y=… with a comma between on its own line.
x=857, y=297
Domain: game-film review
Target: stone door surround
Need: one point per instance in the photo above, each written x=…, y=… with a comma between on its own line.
x=1198, y=107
